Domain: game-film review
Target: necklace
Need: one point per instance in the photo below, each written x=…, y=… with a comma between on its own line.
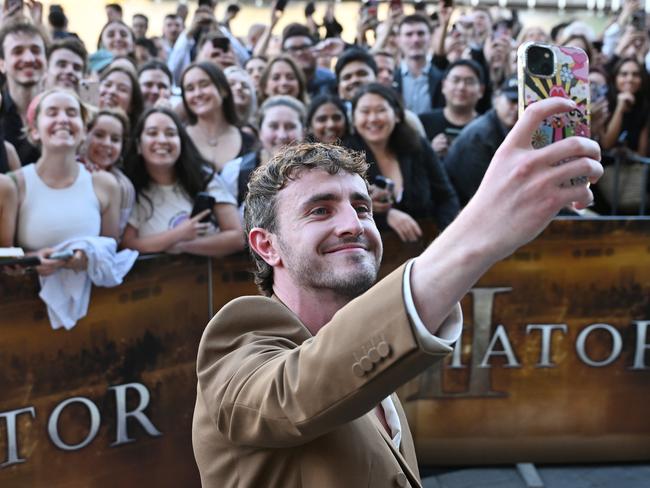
x=212, y=142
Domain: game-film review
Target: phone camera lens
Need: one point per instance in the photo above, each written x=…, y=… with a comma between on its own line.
x=540, y=61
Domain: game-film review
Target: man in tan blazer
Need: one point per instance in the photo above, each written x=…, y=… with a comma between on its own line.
x=295, y=388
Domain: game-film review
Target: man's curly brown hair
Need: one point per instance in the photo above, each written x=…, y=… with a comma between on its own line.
x=267, y=181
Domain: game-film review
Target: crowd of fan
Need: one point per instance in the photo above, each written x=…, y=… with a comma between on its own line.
x=126, y=140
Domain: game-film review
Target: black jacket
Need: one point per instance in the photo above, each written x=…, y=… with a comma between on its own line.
x=427, y=190
x=470, y=154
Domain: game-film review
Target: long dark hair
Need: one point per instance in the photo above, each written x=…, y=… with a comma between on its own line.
x=404, y=139
x=221, y=82
x=192, y=171
x=320, y=100
x=641, y=103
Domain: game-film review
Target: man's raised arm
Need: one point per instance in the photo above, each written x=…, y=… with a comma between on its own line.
x=523, y=189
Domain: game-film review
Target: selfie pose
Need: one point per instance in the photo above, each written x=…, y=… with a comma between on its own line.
x=295, y=388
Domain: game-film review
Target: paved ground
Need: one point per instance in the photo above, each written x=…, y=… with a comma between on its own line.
x=596, y=476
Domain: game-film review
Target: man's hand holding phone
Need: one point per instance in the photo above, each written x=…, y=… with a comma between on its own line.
x=523, y=187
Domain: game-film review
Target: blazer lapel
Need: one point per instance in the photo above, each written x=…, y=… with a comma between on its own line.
x=413, y=479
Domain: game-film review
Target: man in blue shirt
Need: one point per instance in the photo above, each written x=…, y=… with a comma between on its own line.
x=417, y=78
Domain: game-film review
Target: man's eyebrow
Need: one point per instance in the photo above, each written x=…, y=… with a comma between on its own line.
x=319, y=197
x=331, y=197
x=361, y=196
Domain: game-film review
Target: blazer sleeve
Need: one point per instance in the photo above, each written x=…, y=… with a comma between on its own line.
x=265, y=382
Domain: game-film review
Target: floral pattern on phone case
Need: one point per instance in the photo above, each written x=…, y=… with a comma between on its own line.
x=570, y=79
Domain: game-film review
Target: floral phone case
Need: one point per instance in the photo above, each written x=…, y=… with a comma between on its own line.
x=570, y=79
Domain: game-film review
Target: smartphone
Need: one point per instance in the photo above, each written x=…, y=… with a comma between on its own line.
x=555, y=71
x=310, y=9
x=62, y=255
x=89, y=92
x=448, y=3
x=385, y=184
x=281, y=5
x=25, y=261
x=597, y=92
x=638, y=20
x=204, y=201
x=546, y=71
x=222, y=43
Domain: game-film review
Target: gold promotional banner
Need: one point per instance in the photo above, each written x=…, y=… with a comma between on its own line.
x=553, y=365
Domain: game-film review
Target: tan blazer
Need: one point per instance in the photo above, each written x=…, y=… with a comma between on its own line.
x=278, y=407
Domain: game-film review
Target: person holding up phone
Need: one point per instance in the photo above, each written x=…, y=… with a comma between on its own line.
x=295, y=388
x=216, y=48
x=168, y=173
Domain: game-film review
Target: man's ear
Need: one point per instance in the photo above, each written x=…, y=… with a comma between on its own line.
x=263, y=243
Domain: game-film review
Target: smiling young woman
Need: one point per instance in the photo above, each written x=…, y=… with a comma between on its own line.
x=326, y=119
x=628, y=105
x=119, y=88
x=214, y=122
x=117, y=38
x=103, y=151
x=168, y=173
x=58, y=199
x=395, y=151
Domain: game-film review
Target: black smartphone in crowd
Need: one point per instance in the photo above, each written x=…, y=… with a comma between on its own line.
x=222, y=43
x=310, y=9
x=281, y=5
x=638, y=20
x=204, y=201
x=25, y=261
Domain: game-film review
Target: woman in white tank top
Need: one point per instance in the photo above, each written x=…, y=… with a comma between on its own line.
x=58, y=199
